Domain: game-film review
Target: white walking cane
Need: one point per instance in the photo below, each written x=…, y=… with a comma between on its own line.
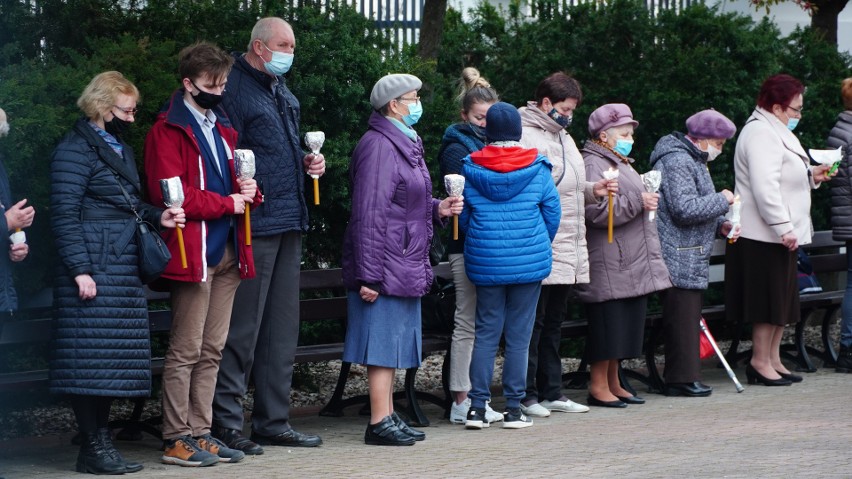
x=720, y=355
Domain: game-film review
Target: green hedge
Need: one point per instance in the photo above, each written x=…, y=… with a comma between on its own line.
x=665, y=67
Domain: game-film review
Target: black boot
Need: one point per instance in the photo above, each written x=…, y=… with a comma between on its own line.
x=844, y=360
x=106, y=440
x=94, y=458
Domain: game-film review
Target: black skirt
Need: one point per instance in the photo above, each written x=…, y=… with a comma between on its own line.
x=616, y=329
x=760, y=283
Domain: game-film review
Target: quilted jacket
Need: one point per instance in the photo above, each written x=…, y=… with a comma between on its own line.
x=101, y=346
x=690, y=211
x=570, y=254
x=266, y=115
x=841, y=185
x=386, y=244
x=459, y=141
x=511, y=214
x=8, y=298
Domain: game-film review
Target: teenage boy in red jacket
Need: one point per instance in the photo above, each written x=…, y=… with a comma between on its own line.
x=193, y=139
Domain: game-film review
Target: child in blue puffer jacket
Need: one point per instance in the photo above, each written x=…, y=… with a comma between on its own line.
x=510, y=217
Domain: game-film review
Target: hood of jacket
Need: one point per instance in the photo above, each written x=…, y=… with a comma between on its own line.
x=677, y=142
x=532, y=116
x=499, y=173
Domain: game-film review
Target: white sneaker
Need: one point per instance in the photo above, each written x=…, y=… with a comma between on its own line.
x=458, y=412
x=492, y=415
x=563, y=406
x=535, y=410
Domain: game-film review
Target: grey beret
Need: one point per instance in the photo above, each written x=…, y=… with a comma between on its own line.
x=393, y=86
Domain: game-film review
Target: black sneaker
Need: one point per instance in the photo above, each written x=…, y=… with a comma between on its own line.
x=476, y=418
x=513, y=418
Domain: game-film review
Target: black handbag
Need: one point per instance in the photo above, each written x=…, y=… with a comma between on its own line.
x=153, y=254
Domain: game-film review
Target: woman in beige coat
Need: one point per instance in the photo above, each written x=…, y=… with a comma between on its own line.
x=544, y=123
x=774, y=181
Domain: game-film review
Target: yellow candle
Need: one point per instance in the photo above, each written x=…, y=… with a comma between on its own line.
x=316, y=190
x=248, y=226
x=181, y=247
x=609, y=222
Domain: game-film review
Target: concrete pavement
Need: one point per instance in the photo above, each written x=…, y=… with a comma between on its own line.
x=800, y=431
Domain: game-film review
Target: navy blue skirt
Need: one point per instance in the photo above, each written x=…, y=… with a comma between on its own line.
x=384, y=333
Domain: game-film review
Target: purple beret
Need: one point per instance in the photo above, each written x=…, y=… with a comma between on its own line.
x=609, y=116
x=710, y=124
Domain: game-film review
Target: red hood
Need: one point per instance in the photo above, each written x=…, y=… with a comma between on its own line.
x=503, y=160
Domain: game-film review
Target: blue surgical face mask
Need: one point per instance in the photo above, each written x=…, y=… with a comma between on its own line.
x=564, y=121
x=623, y=147
x=792, y=123
x=280, y=62
x=415, y=111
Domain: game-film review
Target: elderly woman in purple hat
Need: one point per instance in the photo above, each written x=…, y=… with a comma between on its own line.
x=691, y=215
x=623, y=273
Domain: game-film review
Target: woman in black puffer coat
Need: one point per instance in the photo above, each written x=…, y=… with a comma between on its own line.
x=841, y=217
x=102, y=350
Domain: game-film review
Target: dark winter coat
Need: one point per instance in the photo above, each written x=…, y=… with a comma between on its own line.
x=101, y=345
x=459, y=141
x=690, y=211
x=8, y=298
x=386, y=245
x=266, y=115
x=841, y=185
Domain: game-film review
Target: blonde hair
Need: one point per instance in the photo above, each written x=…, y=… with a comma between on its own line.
x=846, y=93
x=100, y=94
x=475, y=89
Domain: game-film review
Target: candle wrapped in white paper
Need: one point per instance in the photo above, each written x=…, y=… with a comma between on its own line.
x=610, y=174
x=315, y=140
x=734, y=217
x=828, y=157
x=652, y=180
x=18, y=237
x=454, y=185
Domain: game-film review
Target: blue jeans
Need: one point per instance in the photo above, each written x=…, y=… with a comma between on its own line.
x=846, y=308
x=508, y=310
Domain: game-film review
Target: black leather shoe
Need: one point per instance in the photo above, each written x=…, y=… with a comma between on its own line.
x=795, y=378
x=695, y=389
x=386, y=433
x=593, y=401
x=632, y=399
x=416, y=434
x=755, y=377
x=234, y=439
x=290, y=438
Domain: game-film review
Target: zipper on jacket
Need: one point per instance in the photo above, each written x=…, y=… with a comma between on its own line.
x=691, y=248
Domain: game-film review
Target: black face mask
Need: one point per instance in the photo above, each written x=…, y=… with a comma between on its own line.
x=116, y=126
x=204, y=99
x=477, y=130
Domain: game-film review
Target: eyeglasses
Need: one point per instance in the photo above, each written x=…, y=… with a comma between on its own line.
x=128, y=111
x=797, y=110
x=412, y=100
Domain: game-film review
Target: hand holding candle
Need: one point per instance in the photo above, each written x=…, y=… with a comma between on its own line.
x=173, y=198
x=454, y=185
x=610, y=174
x=652, y=180
x=245, y=169
x=736, y=207
x=314, y=140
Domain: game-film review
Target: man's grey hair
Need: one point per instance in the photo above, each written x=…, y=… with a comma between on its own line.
x=264, y=29
x=4, y=125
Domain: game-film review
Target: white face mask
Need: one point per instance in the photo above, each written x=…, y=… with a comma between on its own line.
x=4, y=129
x=712, y=152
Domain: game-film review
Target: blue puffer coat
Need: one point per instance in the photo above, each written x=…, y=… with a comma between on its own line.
x=511, y=214
x=101, y=345
x=266, y=115
x=690, y=212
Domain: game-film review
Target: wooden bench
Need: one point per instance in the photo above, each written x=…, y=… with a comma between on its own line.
x=33, y=326
x=827, y=256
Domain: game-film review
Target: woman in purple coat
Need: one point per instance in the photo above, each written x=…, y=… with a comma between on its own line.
x=386, y=250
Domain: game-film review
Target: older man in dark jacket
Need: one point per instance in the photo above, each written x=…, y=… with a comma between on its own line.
x=264, y=331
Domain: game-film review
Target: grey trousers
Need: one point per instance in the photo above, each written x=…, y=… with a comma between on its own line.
x=461, y=348
x=262, y=339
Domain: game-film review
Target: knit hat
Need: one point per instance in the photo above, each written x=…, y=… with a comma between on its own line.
x=710, y=124
x=393, y=85
x=502, y=123
x=609, y=116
